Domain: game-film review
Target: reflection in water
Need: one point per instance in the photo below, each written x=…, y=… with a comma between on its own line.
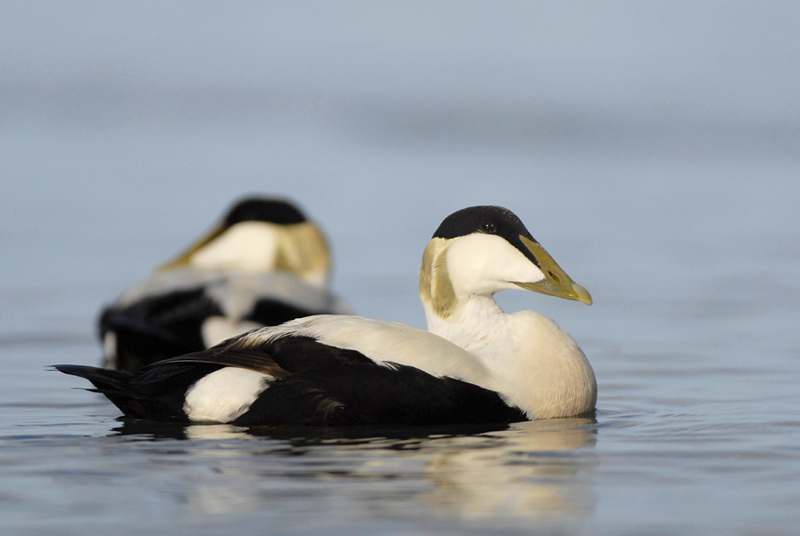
x=525, y=470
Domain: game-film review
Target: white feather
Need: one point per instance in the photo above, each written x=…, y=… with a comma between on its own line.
x=236, y=291
x=224, y=395
x=538, y=366
x=384, y=342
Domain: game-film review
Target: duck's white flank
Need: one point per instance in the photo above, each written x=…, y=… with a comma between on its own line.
x=235, y=291
x=224, y=395
x=383, y=342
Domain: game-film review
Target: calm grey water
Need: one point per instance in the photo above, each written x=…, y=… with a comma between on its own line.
x=654, y=150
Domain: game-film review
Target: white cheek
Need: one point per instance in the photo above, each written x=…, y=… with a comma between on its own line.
x=480, y=264
x=224, y=395
x=250, y=246
x=519, y=269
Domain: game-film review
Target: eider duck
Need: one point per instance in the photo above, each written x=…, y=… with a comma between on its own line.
x=262, y=265
x=476, y=364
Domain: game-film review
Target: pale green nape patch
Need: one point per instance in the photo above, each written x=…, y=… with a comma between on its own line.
x=303, y=250
x=435, y=287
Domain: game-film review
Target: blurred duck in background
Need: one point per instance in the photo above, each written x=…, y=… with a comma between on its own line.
x=262, y=265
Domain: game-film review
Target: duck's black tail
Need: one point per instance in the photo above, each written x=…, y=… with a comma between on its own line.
x=104, y=380
x=142, y=395
x=114, y=384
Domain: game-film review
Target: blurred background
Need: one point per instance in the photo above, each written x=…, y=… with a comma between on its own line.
x=634, y=139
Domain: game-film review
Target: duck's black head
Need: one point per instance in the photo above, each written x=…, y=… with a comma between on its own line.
x=487, y=219
x=266, y=209
x=490, y=249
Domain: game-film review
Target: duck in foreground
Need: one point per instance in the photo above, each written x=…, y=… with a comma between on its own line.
x=264, y=264
x=476, y=364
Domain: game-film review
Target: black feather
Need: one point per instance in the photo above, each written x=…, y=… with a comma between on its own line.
x=271, y=210
x=487, y=219
x=314, y=384
x=155, y=394
x=158, y=327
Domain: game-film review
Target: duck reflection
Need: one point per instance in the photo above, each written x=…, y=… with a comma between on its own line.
x=530, y=470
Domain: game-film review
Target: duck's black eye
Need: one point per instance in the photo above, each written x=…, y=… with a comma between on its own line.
x=489, y=227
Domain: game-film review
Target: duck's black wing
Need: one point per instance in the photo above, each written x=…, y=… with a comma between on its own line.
x=304, y=382
x=347, y=388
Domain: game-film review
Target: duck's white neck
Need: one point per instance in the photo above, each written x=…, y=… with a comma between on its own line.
x=535, y=364
x=470, y=324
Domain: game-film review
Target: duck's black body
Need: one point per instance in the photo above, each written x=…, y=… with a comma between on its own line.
x=306, y=383
x=166, y=325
